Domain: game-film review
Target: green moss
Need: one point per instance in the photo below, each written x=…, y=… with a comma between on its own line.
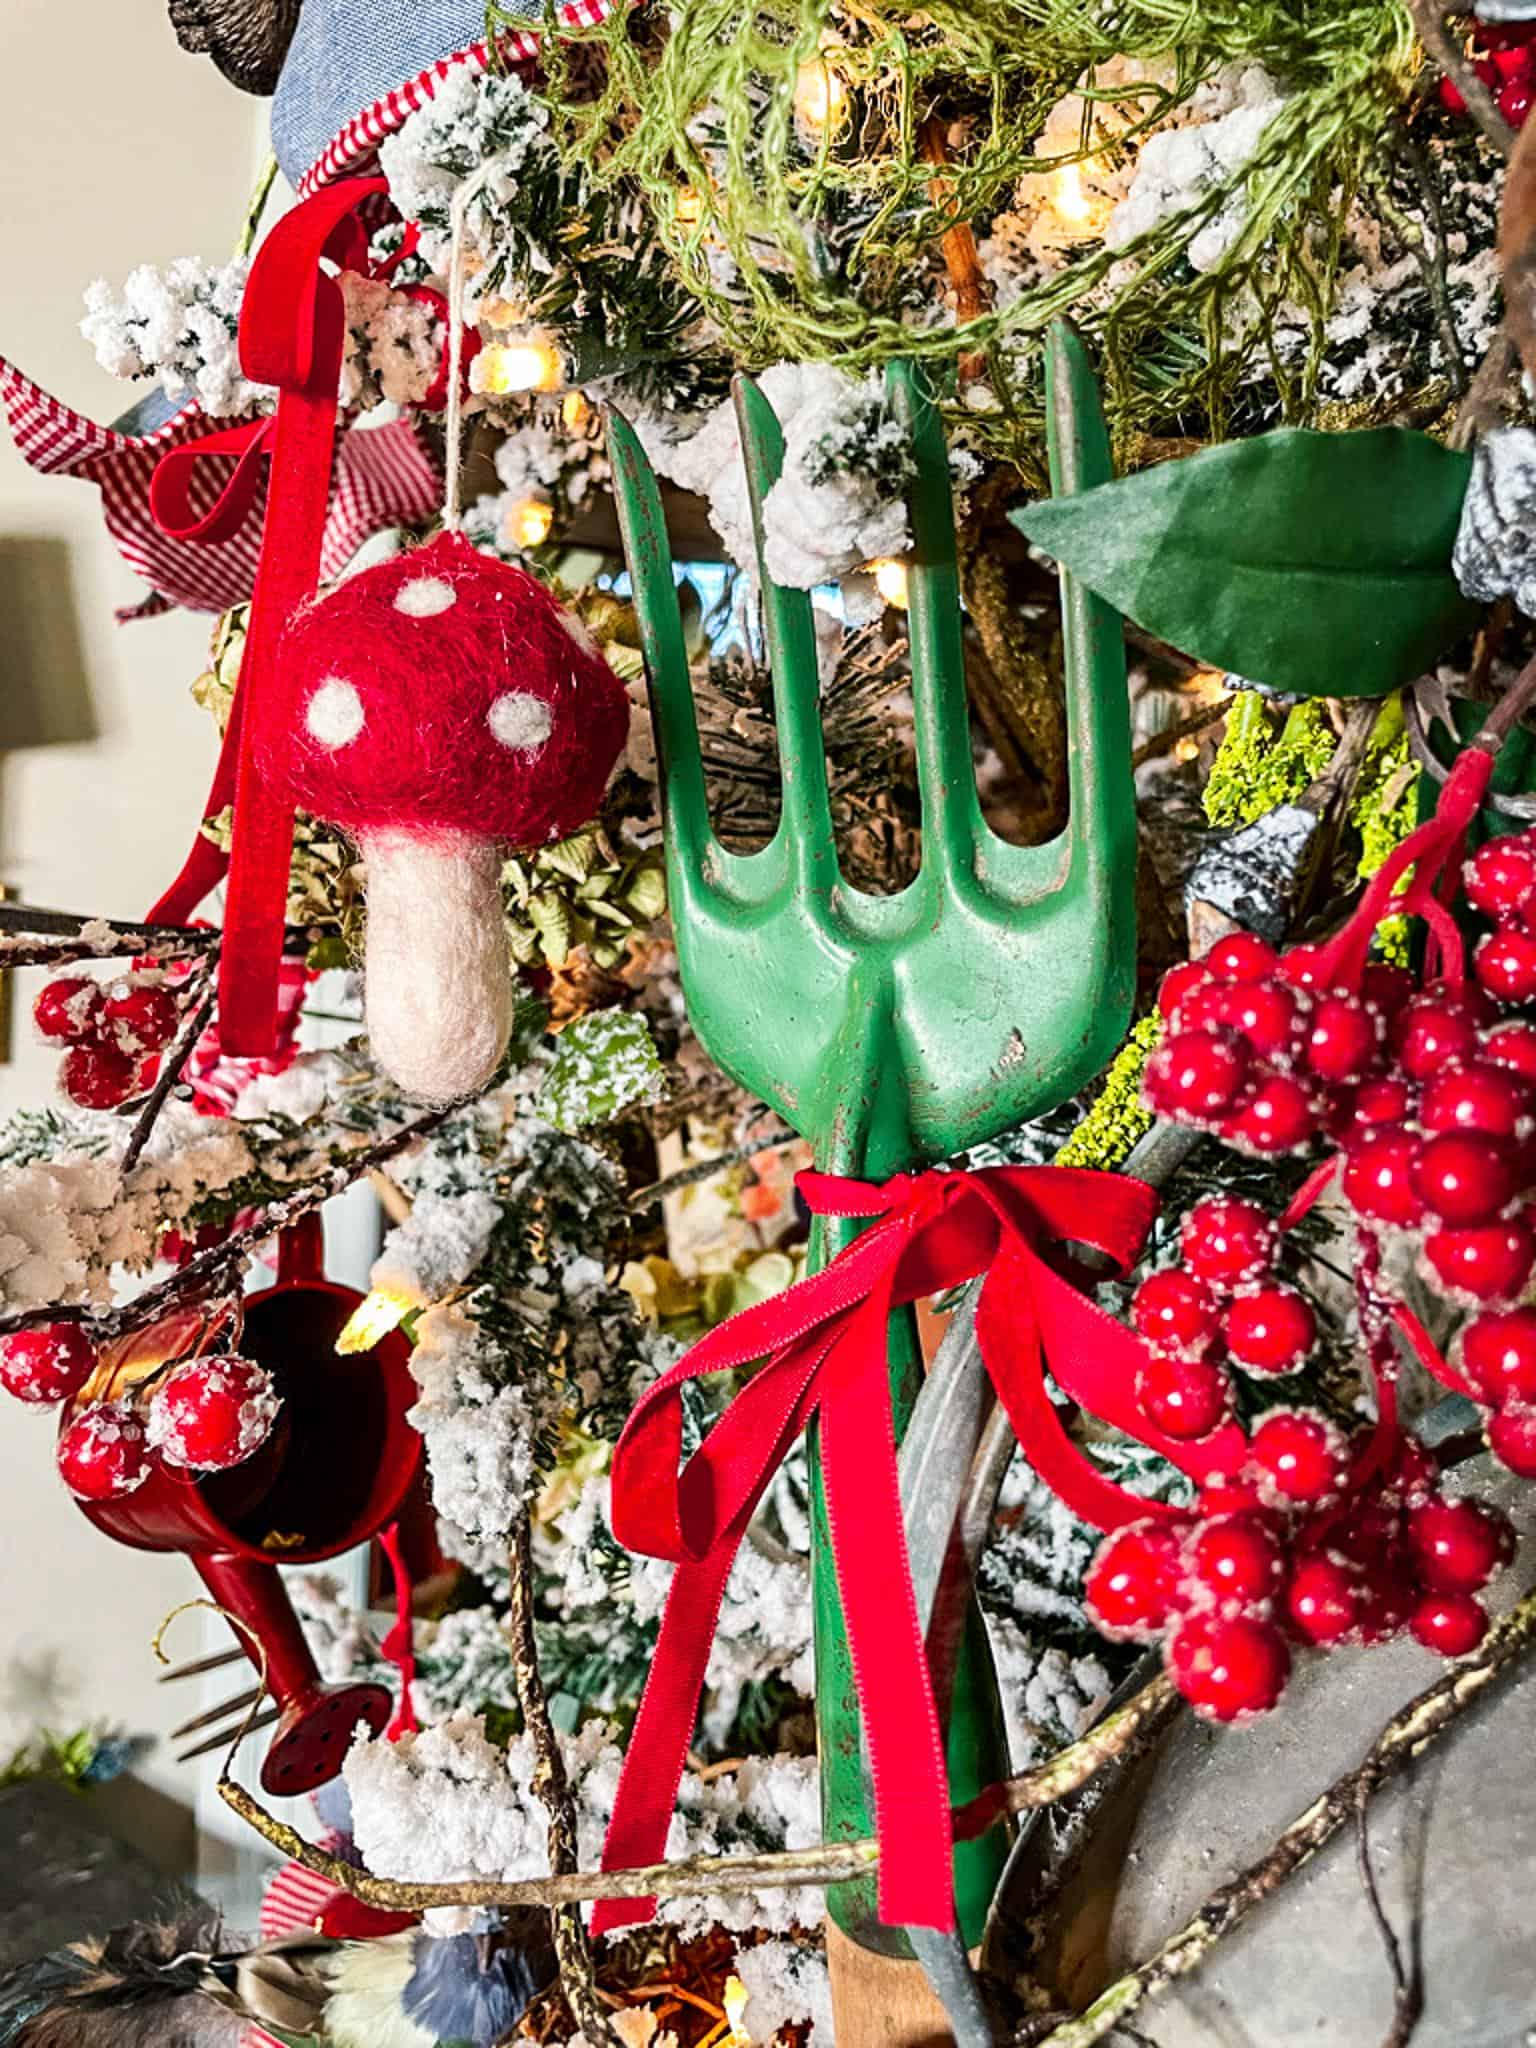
x=1118, y=1117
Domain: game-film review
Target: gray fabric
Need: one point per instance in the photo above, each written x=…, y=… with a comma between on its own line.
x=347, y=54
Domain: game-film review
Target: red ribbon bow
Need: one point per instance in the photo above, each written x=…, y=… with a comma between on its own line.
x=292, y=335
x=825, y=1344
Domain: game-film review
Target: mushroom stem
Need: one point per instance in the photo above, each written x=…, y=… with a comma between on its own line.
x=437, y=977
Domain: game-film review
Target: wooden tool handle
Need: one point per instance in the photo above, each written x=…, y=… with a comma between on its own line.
x=881, y=2002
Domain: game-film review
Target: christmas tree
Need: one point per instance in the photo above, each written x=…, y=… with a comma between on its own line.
x=1062, y=474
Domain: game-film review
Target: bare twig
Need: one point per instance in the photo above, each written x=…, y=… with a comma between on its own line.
x=54, y=938
x=829, y=1863
x=1407, y=1990
x=573, y=1952
x=704, y=1169
x=1429, y=20
x=1404, y=1736
x=1430, y=257
x=1201, y=719
x=195, y=1022
x=1483, y=404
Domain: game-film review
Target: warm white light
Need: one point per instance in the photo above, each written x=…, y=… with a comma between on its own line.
x=1069, y=198
x=528, y=522
x=690, y=207
x=504, y=368
x=734, y=1999
x=575, y=410
x=385, y=1309
x=1186, y=750
x=890, y=576
x=821, y=95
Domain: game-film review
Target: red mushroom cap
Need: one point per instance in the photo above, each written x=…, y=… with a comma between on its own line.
x=444, y=691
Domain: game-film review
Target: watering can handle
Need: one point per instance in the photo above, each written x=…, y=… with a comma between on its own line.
x=301, y=1251
x=255, y=1595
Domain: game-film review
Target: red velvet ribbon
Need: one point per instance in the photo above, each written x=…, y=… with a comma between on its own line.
x=824, y=1340
x=292, y=335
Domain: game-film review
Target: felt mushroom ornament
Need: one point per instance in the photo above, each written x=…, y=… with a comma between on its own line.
x=441, y=708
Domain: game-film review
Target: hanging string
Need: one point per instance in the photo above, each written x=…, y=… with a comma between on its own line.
x=463, y=199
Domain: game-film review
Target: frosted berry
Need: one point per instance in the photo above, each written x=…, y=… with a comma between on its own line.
x=50, y=1363
x=1230, y=1493
x=142, y=1015
x=104, y=1453
x=1227, y=1241
x=1228, y=1668
x=1488, y=1261
x=1414, y=1472
x=1512, y=1045
x=1270, y=1330
x=1178, y=984
x=1300, y=1458
x=1324, y=1599
x=1235, y=1559
x=1479, y=1095
x=1464, y=1177
x=1303, y=965
x=1452, y=1623
x=98, y=1076
x=1386, y=988
x=1241, y=956
x=1266, y=1013
x=1382, y=1099
x=212, y=1412
x=68, y=1009
x=1500, y=878
x=1379, y=1180
x=1133, y=1582
x=1458, y=1545
x=1512, y=1437
x=1498, y=1354
x=1197, y=1074
x=1174, y=1310
x=1430, y=1031
x=1342, y=1038
x=1386, y=1604
x=1277, y=1117
x=1505, y=964
x=1184, y=1397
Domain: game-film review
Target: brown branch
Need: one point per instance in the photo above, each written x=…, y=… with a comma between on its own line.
x=1201, y=719
x=957, y=245
x=1429, y=20
x=573, y=1952
x=830, y=1863
x=1404, y=1736
x=1407, y=1989
x=195, y=1022
x=21, y=945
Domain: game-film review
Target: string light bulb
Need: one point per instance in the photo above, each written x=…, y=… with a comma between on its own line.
x=575, y=411
x=890, y=574
x=734, y=1999
x=528, y=523
x=380, y=1311
x=506, y=369
x=689, y=208
x=821, y=96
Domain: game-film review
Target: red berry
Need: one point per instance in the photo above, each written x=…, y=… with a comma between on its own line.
x=1228, y=1668
x=1386, y=988
x=1450, y=97
x=1465, y=1177
x=1452, y=1623
x=98, y=1076
x=1133, y=1582
x=1458, y=1545
x=1241, y=956
x=1343, y=1038
x=1488, y=1261
x=1379, y=1179
x=1278, y=1116
x=1178, y=985
x=1505, y=964
x=1498, y=1354
x=1302, y=965
x=1388, y=1601
x=51, y=1363
x=1325, y=1598
x=1270, y=1330
x=1229, y=1494
x=1414, y=1473
x=1512, y=1045
x=1514, y=100
x=142, y=1015
x=1384, y=1099
x=104, y=1454
x=1477, y=1095
x=1512, y=1437
x=1184, y=1397
x=212, y=1412
x=1500, y=878
x=1197, y=1074
x=1227, y=1241
x=1174, y=1310
x=1266, y=1013
x=1428, y=1032
x=1235, y=1560
x=1301, y=1459
x=68, y=1009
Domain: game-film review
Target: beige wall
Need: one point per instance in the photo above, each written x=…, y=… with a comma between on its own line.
x=116, y=149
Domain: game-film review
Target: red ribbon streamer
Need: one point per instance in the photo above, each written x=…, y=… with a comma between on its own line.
x=292, y=335
x=824, y=1340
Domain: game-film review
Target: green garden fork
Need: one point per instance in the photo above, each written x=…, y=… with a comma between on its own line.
x=894, y=1032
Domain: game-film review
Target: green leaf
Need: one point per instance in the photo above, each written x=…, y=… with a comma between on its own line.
x=604, y=1062
x=1318, y=563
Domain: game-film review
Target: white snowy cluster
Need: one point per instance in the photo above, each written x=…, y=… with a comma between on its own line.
x=815, y=532
x=449, y=1804
x=438, y=1245
x=479, y=1436
x=180, y=326
x=1049, y=1696
x=537, y=464
x=394, y=345
x=1180, y=163
x=787, y=1985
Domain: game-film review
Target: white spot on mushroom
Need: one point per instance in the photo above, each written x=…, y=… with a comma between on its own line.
x=334, y=714
x=520, y=720
x=579, y=633
x=426, y=597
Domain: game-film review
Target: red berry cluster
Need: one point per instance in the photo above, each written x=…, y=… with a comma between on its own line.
x=115, y=1032
x=205, y=1415
x=1271, y=1559
x=1220, y=1305
x=1505, y=60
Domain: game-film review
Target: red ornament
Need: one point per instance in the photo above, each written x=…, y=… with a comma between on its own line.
x=98, y=1076
x=1465, y=1177
x=1270, y=1330
x=1498, y=1353
x=1452, y=1623
x=67, y=1009
x=1500, y=878
x=1174, y=1310
x=141, y=1015
x=1133, y=1582
x=1197, y=1074
x=1227, y=1241
x=51, y=1363
x=213, y=1412
x=1183, y=1397
x=104, y=1453
x=1228, y=1669
x=1505, y=964
x=1235, y=1560
x=1458, y=1545
x=1324, y=1598
x=1488, y=1261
